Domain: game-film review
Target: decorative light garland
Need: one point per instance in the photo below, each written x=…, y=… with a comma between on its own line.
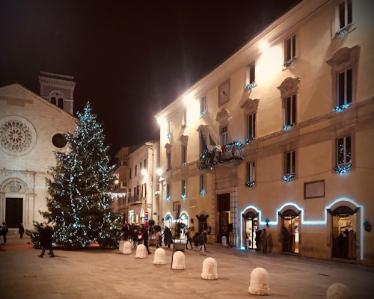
x=341, y=108
x=343, y=169
x=288, y=177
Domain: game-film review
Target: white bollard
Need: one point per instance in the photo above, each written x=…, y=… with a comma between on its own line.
x=120, y=248
x=209, y=269
x=160, y=257
x=141, y=252
x=259, y=283
x=338, y=291
x=127, y=248
x=179, y=261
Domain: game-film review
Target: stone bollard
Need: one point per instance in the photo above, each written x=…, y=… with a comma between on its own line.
x=141, y=252
x=209, y=269
x=259, y=283
x=120, y=248
x=179, y=261
x=338, y=291
x=127, y=248
x=160, y=257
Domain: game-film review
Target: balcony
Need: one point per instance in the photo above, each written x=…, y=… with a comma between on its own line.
x=221, y=154
x=133, y=200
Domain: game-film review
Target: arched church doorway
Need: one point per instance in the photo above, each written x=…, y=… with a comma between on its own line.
x=251, y=226
x=344, y=227
x=290, y=231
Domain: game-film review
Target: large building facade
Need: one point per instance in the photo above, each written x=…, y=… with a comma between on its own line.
x=280, y=136
x=136, y=189
x=31, y=129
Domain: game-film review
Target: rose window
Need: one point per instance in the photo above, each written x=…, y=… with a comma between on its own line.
x=15, y=136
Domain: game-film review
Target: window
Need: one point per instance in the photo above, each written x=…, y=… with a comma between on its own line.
x=145, y=190
x=251, y=77
x=289, y=50
x=224, y=135
x=168, y=191
x=345, y=13
x=183, y=189
x=184, y=120
x=344, y=89
x=59, y=140
x=202, y=189
x=145, y=163
x=137, y=190
x=140, y=166
x=136, y=170
x=289, y=112
x=251, y=174
x=224, y=92
x=343, y=151
x=168, y=134
x=251, y=126
x=184, y=154
x=61, y=103
x=289, y=166
x=203, y=105
x=130, y=173
x=168, y=158
x=53, y=100
x=202, y=143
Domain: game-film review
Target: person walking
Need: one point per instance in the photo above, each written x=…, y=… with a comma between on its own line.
x=21, y=230
x=46, y=240
x=4, y=231
x=145, y=238
x=167, y=237
x=202, y=240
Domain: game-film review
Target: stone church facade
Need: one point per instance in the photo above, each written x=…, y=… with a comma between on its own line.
x=31, y=130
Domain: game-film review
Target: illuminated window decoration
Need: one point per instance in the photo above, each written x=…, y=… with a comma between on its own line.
x=202, y=192
x=250, y=86
x=341, y=108
x=316, y=222
x=287, y=128
x=288, y=178
x=343, y=169
x=250, y=184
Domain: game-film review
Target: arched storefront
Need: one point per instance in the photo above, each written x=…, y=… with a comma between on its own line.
x=344, y=231
x=168, y=220
x=251, y=225
x=290, y=229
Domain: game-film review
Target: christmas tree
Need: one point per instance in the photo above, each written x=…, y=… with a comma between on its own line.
x=79, y=202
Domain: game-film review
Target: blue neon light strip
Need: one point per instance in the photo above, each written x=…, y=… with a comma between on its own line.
x=303, y=221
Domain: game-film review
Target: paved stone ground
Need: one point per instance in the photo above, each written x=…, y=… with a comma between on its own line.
x=107, y=274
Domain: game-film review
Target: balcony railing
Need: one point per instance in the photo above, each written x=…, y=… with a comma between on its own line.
x=134, y=199
x=221, y=154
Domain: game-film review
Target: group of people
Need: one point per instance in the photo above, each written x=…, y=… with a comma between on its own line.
x=344, y=245
x=263, y=241
x=4, y=231
x=150, y=234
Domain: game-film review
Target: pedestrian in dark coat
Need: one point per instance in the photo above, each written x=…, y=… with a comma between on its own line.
x=167, y=236
x=4, y=231
x=145, y=238
x=21, y=230
x=46, y=239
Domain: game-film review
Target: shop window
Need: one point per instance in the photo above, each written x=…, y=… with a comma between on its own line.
x=289, y=50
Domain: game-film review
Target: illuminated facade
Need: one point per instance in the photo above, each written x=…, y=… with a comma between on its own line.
x=136, y=190
x=31, y=130
x=280, y=136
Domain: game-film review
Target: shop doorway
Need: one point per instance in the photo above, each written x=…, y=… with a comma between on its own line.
x=290, y=231
x=344, y=232
x=251, y=226
x=13, y=212
x=223, y=206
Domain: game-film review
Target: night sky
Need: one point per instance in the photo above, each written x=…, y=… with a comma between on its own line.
x=129, y=58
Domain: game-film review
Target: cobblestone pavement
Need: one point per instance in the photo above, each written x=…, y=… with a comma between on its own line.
x=100, y=273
